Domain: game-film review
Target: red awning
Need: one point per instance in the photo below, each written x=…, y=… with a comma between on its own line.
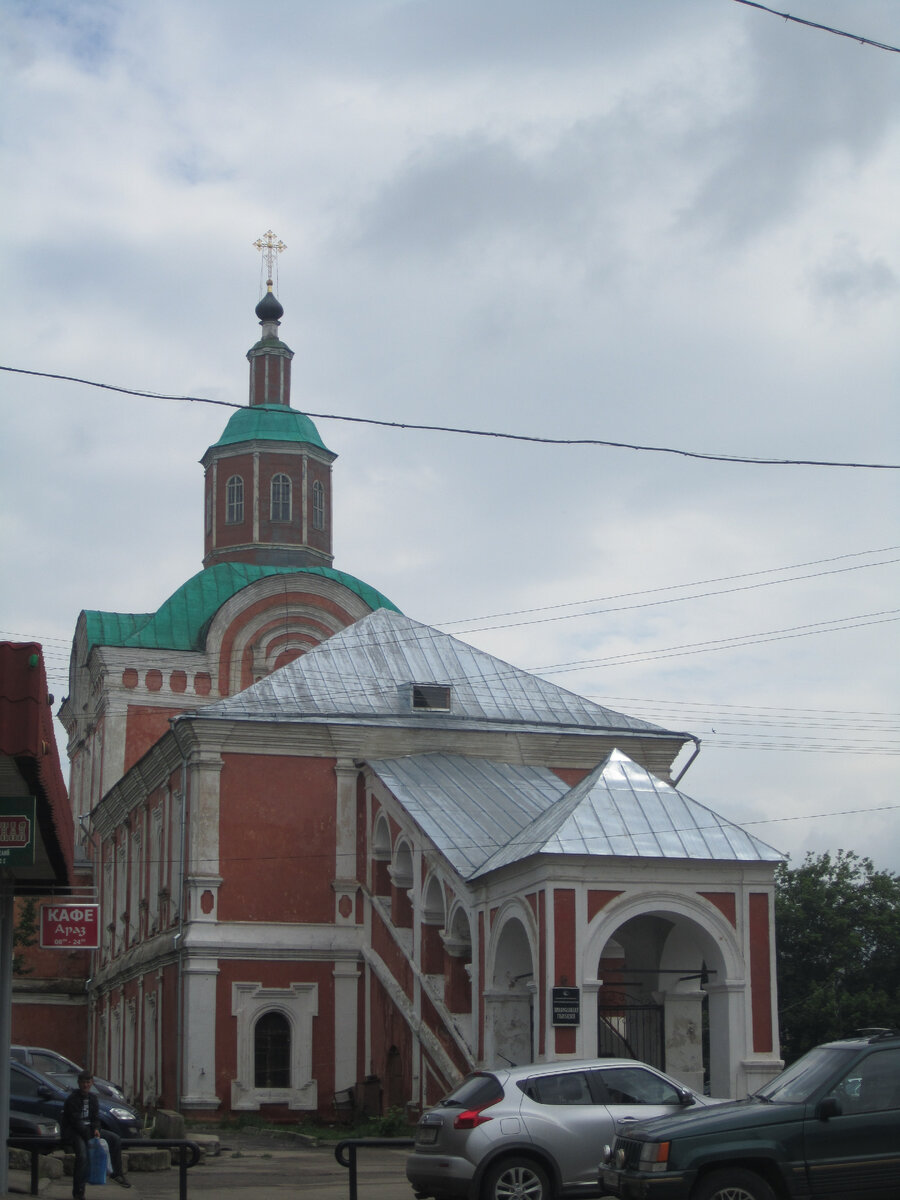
x=27, y=737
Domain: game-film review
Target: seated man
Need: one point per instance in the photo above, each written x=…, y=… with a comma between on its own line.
x=80, y=1121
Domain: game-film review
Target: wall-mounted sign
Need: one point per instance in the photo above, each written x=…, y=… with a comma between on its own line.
x=17, y=831
x=566, y=1006
x=70, y=926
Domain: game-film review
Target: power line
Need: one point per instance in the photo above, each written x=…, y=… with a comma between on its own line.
x=486, y=433
x=816, y=562
x=522, y=838
x=854, y=37
x=747, y=587
x=750, y=639
x=740, y=641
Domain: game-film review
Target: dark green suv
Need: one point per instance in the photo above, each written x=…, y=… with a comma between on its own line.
x=827, y=1127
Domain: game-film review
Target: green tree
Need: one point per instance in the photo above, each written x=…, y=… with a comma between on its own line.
x=25, y=932
x=837, y=924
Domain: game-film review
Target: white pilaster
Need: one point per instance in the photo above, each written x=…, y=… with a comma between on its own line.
x=346, y=1024
x=199, y=1045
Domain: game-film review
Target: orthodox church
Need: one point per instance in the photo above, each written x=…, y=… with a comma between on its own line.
x=340, y=854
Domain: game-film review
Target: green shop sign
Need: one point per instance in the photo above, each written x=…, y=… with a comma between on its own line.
x=17, y=831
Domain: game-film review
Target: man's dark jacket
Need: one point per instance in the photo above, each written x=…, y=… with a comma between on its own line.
x=71, y=1124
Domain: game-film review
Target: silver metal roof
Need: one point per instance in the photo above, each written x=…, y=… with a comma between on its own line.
x=469, y=807
x=366, y=671
x=484, y=815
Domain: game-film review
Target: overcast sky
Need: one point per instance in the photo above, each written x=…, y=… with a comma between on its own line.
x=670, y=223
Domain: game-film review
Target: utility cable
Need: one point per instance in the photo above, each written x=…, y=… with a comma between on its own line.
x=486, y=433
x=854, y=37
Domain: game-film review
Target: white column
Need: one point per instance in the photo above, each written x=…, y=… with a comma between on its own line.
x=684, y=1037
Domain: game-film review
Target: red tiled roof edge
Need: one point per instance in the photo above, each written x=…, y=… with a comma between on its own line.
x=26, y=734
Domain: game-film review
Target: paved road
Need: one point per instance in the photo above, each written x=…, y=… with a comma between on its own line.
x=252, y=1167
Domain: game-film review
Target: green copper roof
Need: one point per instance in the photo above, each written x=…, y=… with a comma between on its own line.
x=182, y=621
x=270, y=423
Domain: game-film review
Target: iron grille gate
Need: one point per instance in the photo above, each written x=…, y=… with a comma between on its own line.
x=632, y=1031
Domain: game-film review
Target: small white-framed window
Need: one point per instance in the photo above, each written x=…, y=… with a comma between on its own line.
x=280, y=498
x=272, y=1051
x=234, y=501
x=270, y=1022
x=318, y=505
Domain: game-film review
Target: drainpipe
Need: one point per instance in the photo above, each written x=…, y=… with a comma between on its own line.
x=681, y=774
x=178, y=939
x=7, y=918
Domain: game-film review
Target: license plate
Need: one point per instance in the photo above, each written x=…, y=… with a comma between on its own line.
x=427, y=1135
x=610, y=1182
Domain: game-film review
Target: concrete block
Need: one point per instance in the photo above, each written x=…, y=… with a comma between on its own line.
x=145, y=1159
x=168, y=1124
x=48, y=1166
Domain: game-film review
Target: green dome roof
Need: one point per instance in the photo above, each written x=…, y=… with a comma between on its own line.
x=182, y=621
x=270, y=423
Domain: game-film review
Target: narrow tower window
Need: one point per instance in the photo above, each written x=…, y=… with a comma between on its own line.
x=234, y=501
x=318, y=506
x=280, y=506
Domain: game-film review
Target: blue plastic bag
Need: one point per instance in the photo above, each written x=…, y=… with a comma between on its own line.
x=98, y=1161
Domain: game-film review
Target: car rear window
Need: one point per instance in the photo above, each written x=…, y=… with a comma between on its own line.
x=474, y=1092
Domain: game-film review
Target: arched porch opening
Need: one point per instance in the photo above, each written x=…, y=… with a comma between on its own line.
x=382, y=852
x=668, y=994
x=401, y=883
x=433, y=921
x=509, y=995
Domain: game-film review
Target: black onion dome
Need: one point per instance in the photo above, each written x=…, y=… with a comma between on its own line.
x=269, y=309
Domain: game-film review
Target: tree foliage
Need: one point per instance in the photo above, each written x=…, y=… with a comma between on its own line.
x=838, y=949
x=25, y=932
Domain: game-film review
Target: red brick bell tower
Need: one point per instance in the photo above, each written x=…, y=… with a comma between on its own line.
x=268, y=477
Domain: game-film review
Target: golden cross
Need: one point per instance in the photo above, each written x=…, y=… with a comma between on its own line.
x=269, y=247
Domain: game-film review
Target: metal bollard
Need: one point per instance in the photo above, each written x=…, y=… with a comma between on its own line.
x=345, y=1153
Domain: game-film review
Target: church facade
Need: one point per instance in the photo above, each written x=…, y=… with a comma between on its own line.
x=333, y=845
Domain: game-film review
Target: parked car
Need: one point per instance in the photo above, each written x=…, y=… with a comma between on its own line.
x=31, y=1092
x=827, y=1127
x=534, y=1131
x=61, y=1069
x=28, y=1125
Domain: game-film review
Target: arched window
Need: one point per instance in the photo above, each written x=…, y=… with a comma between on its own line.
x=318, y=506
x=280, y=504
x=272, y=1051
x=234, y=501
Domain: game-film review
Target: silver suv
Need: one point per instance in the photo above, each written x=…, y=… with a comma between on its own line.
x=535, y=1132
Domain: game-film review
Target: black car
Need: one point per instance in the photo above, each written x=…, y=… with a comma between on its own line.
x=29, y=1125
x=61, y=1069
x=827, y=1128
x=31, y=1092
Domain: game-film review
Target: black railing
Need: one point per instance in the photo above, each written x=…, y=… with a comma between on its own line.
x=345, y=1152
x=44, y=1145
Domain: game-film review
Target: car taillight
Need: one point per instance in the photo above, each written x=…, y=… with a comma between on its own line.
x=473, y=1117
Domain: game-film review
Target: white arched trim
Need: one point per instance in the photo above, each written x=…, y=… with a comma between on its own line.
x=299, y=1003
x=721, y=938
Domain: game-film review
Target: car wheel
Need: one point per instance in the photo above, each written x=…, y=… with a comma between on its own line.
x=517, y=1179
x=736, y=1184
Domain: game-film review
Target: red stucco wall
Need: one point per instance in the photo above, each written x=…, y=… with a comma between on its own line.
x=276, y=838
